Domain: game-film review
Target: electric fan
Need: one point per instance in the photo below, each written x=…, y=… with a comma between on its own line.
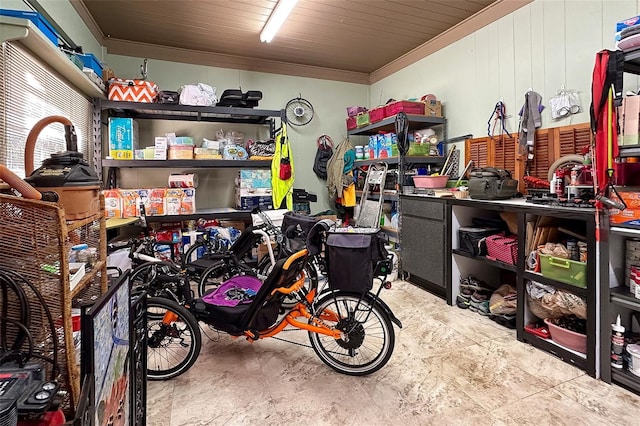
x=299, y=111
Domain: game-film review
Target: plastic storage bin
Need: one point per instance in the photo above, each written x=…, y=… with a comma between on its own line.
x=406, y=106
x=39, y=21
x=564, y=270
x=567, y=338
x=90, y=61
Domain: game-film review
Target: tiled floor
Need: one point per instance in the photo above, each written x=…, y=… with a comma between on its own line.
x=450, y=366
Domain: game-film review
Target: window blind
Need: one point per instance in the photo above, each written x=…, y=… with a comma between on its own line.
x=28, y=93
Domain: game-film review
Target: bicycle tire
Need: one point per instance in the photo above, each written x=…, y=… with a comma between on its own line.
x=565, y=160
x=142, y=277
x=370, y=342
x=212, y=277
x=181, y=340
x=187, y=258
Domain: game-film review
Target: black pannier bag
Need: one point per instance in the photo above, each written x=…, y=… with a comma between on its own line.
x=352, y=258
x=471, y=239
x=490, y=183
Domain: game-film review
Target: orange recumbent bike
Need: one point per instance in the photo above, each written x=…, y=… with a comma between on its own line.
x=350, y=328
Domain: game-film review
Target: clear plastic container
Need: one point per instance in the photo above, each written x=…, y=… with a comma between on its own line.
x=80, y=254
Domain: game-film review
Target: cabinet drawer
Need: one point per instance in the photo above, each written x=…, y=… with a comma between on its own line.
x=423, y=208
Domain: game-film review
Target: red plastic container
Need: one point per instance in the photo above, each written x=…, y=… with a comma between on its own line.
x=351, y=123
x=409, y=107
x=376, y=114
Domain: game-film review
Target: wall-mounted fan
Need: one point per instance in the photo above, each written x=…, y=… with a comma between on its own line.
x=299, y=111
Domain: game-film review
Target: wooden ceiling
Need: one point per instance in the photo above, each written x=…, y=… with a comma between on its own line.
x=354, y=37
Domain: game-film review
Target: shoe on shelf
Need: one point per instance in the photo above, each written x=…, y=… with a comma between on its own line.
x=480, y=302
x=463, y=301
x=474, y=284
x=505, y=320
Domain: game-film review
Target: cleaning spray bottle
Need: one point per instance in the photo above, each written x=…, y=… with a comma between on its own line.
x=617, y=343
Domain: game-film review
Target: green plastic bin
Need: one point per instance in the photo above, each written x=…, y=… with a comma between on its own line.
x=564, y=270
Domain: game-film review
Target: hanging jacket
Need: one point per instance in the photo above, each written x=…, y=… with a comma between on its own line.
x=607, y=72
x=530, y=119
x=335, y=170
x=282, y=190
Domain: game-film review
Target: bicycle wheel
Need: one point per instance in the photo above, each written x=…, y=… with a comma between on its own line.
x=368, y=336
x=173, y=339
x=144, y=277
x=200, y=248
x=212, y=277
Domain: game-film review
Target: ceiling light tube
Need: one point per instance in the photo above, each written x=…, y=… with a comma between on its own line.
x=277, y=18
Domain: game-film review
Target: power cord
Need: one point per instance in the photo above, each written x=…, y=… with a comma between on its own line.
x=15, y=281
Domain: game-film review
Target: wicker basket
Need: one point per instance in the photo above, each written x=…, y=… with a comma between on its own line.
x=34, y=241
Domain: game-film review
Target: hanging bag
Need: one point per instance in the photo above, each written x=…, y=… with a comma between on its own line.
x=323, y=154
x=285, y=163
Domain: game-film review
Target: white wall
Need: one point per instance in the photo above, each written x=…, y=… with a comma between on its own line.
x=329, y=99
x=544, y=45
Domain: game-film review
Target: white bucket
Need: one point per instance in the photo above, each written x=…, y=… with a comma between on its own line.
x=634, y=359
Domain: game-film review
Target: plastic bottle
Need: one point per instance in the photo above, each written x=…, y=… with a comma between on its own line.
x=80, y=253
x=617, y=343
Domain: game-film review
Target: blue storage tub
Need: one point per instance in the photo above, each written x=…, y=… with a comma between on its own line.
x=39, y=21
x=90, y=61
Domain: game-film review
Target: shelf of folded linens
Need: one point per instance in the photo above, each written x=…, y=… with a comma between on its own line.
x=496, y=263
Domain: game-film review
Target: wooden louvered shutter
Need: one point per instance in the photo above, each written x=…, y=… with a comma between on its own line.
x=477, y=150
x=572, y=139
x=504, y=149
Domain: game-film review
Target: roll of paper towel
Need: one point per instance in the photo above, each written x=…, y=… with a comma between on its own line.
x=189, y=180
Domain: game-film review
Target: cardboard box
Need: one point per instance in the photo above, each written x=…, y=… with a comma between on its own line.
x=123, y=138
x=181, y=152
x=180, y=201
x=112, y=203
x=629, y=216
x=433, y=108
x=254, y=179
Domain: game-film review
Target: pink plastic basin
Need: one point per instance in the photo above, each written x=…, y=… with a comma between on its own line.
x=430, y=181
x=567, y=338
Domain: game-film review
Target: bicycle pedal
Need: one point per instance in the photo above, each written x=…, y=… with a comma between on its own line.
x=387, y=285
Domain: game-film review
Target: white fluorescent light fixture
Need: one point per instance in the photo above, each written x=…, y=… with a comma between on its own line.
x=277, y=18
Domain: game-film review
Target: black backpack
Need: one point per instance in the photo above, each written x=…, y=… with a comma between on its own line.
x=323, y=154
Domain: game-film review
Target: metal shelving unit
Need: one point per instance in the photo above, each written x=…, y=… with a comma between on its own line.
x=154, y=111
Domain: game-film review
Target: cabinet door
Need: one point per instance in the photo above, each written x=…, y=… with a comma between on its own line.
x=423, y=249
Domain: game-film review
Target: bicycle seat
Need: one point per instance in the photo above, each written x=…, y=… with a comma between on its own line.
x=263, y=311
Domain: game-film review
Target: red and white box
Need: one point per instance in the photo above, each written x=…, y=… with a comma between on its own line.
x=132, y=90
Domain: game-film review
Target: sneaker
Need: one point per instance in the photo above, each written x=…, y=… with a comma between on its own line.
x=480, y=302
x=463, y=301
x=505, y=320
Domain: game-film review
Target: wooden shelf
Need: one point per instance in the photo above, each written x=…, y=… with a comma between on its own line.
x=89, y=276
x=27, y=34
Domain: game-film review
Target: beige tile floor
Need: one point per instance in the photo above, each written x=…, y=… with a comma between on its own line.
x=450, y=366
